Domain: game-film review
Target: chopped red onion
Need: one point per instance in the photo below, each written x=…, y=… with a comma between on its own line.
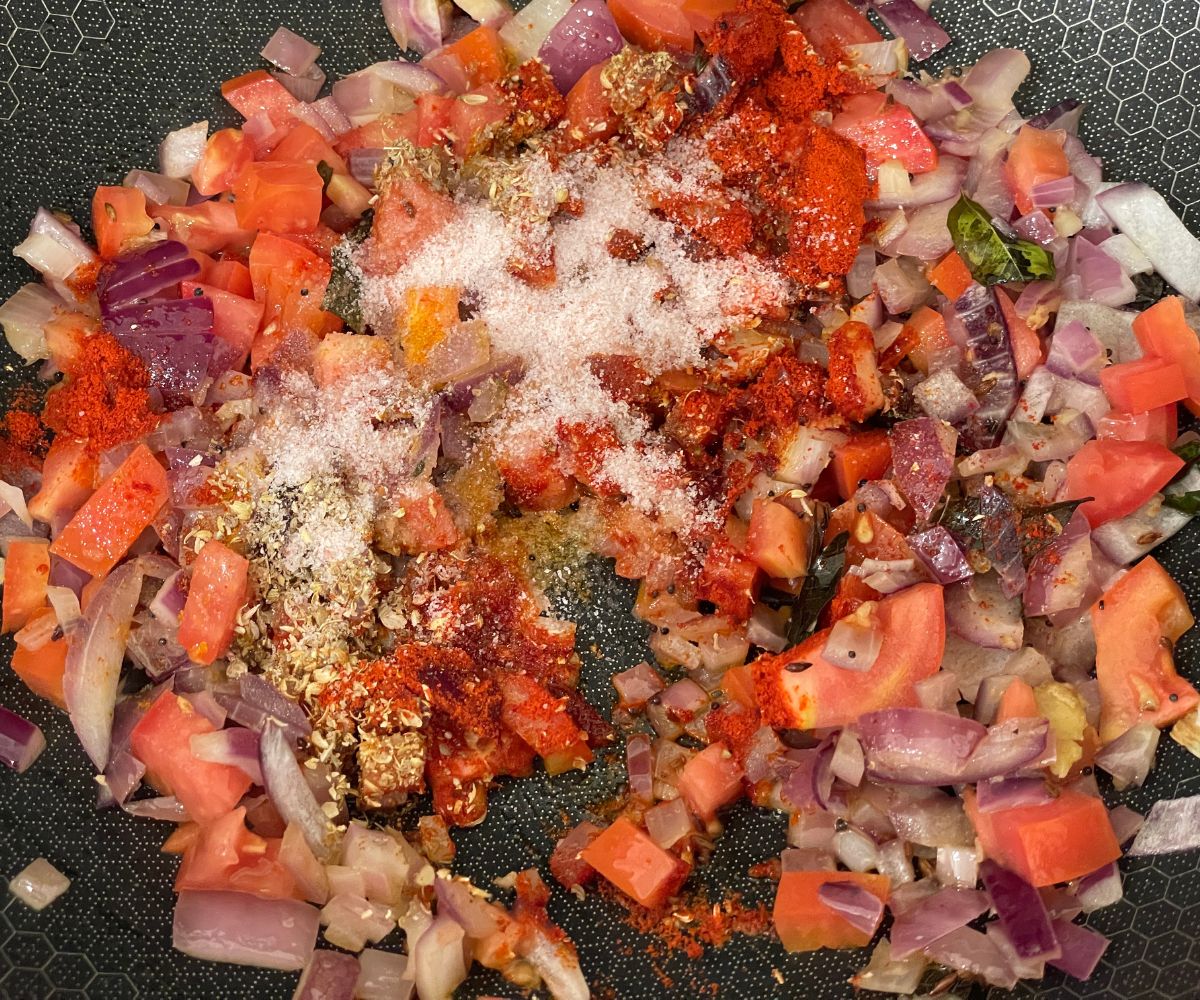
x=388, y=862
x=944, y=396
x=330, y=975
x=21, y=741
x=969, y=951
x=158, y=188
x=767, y=629
x=995, y=77
x=333, y=115
x=95, y=653
x=53, y=248
x=1099, y=277
x=438, y=960
x=414, y=24
x=290, y=53
x=310, y=875
x=1173, y=825
x=244, y=929
x=38, y=884
x=235, y=746
x=1125, y=823
x=860, y=908
x=806, y=454
x=285, y=783
x=916, y=745
x=258, y=691
x=848, y=762
x=941, y=555
x=946, y=911
x=923, y=35
x=181, y=150
x=584, y=36
x=958, y=866
x=883, y=974
x=984, y=332
x=853, y=645
x=640, y=768
x=979, y=612
x=350, y=921
x=1007, y=793
x=524, y=33
x=164, y=807
x=1021, y=912
x=1144, y=215
x=939, y=692
x=877, y=59
x=1100, y=889
x=383, y=975
x=1037, y=228
x=923, y=461
x=24, y=317
x=1052, y=194
x=1130, y=756
x=927, y=235
x=1060, y=575
x=856, y=850
x=1082, y=949
x=637, y=685
x=304, y=87
x=669, y=822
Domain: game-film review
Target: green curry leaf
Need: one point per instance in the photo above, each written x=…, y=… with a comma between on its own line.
x=992, y=257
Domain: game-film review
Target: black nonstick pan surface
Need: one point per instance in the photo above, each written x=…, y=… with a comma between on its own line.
x=87, y=88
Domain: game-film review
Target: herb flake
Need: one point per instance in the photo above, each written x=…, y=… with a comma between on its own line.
x=992, y=257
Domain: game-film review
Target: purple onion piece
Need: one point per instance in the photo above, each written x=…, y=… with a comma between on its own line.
x=146, y=274
x=922, y=461
x=1173, y=825
x=993, y=372
x=21, y=741
x=583, y=37
x=861, y=909
x=290, y=52
x=1007, y=793
x=1001, y=540
x=244, y=929
x=329, y=975
x=1082, y=949
x=1021, y=912
x=285, y=783
x=945, y=911
x=941, y=555
x=639, y=765
x=257, y=690
x=923, y=35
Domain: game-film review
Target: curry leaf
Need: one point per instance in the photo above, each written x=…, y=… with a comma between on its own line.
x=818, y=589
x=992, y=257
x=343, y=295
x=1187, y=503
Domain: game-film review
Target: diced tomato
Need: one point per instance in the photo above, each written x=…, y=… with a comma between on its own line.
x=271, y=253
x=1017, y=702
x=541, y=720
x=853, y=385
x=433, y=118
x=26, y=574
x=226, y=155
x=1046, y=844
x=805, y=923
x=891, y=132
x=1137, y=621
x=231, y=275
x=703, y=15
x=68, y=477
x=42, y=670
x=1036, y=156
x=1145, y=384
x=281, y=197
x=210, y=227
x=290, y=280
x=344, y=355
x=1161, y=425
x=831, y=25
x=304, y=144
x=590, y=117
x=385, y=131
x=778, y=540
x=951, y=276
x=626, y=856
x=216, y=594
x=470, y=118
x=567, y=867
x=407, y=213
x=426, y=525
x=475, y=59
x=119, y=219
x=654, y=24
x=260, y=93
x=235, y=319
x=710, y=780
x=1121, y=475
x=729, y=579
x=1163, y=332
x=863, y=457
x=224, y=855
x=162, y=741
x=1026, y=346
x=100, y=533
x=532, y=477
x=851, y=594
x=822, y=696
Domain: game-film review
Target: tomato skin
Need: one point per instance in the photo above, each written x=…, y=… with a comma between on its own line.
x=864, y=457
x=469, y=122
x=1035, y=157
x=109, y=522
x=26, y=574
x=216, y=594
x=626, y=856
x=119, y=218
x=1145, y=384
x=891, y=132
x=281, y=197
x=831, y=25
x=475, y=59
x=226, y=155
x=710, y=780
x=42, y=670
x=653, y=24
x=804, y=923
x=162, y=741
x=1134, y=666
x=823, y=696
x=1121, y=475
x=1060, y=840
x=280, y=270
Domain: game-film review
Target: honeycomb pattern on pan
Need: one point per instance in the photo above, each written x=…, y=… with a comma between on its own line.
x=35, y=31
x=76, y=112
